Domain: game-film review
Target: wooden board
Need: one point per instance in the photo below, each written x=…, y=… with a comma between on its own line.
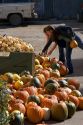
x=17, y=62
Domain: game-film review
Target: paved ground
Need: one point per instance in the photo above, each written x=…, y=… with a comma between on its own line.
x=33, y=33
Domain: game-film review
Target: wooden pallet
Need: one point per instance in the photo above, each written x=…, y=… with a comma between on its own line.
x=17, y=62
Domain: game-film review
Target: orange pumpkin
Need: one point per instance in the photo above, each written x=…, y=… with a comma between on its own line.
x=62, y=96
x=46, y=73
x=48, y=101
x=63, y=70
x=31, y=90
x=42, y=79
x=80, y=103
x=74, y=99
x=74, y=83
x=35, y=114
x=31, y=104
x=41, y=97
x=40, y=91
x=23, y=95
x=20, y=107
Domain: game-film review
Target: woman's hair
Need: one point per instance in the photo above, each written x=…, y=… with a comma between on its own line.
x=48, y=28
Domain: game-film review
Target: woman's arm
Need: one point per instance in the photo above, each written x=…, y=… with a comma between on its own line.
x=46, y=46
x=52, y=48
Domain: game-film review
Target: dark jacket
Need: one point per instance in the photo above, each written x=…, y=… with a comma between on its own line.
x=61, y=36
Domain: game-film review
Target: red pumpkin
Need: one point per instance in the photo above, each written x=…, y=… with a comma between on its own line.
x=74, y=83
x=31, y=90
x=46, y=73
x=62, y=96
x=74, y=99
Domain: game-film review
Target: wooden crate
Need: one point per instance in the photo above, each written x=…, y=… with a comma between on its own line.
x=17, y=62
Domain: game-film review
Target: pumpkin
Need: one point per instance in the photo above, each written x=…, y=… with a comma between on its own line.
x=51, y=88
x=16, y=77
x=55, y=74
x=17, y=118
x=80, y=103
x=41, y=59
x=31, y=90
x=31, y=104
x=18, y=84
x=46, y=64
x=47, y=114
x=48, y=82
x=72, y=87
x=38, y=67
x=59, y=111
x=63, y=70
x=55, y=66
x=35, y=82
x=42, y=79
x=76, y=93
x=35, y=114
x=26, y=78
x=46, y=73
x=73, y=44
x=71, y=109
x=23, y=95
x=74, y=83
x=41, y=91
x=34, y=98
x=8, y=77
x=41, y=97
x=20, y=107
x=48, y=101
x=74, y=99
x=67, y=90
x=61, y=95
x=37, y=62
x=63, y=83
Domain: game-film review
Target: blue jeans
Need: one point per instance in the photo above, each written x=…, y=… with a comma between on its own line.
x=68, y=57
x=69, y=53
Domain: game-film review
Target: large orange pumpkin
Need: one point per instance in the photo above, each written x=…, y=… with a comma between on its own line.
x=62, y=96
x=20, y=107
x=35, y=114
x=31, y=104
x=74, y=83
x=41, y=91
x=48, y=101
x=42, y=79
x=80, y=103
x=23, y=95
x=74, y=99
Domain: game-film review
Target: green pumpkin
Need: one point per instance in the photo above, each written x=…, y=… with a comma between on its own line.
x=34, y=98
x=35, y=82
x=55, y=66
x=71, y=109
x=51, y=88
x=63, y=83
x=48, y=82
x=17, y=118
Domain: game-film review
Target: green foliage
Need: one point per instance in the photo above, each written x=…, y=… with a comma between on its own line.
x=4, y=98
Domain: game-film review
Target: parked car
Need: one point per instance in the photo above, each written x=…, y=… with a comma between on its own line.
x=15, y=11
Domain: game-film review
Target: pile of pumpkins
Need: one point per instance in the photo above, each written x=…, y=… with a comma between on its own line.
x=46, y=96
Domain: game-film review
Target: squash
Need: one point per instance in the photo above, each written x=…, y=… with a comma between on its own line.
x=61, y=95
x=59, y=111
x=37, y=62
x=80, y=103
x=74, y=99
x=26, y=78
x=47, y=114
x=18, y=84
x=73, y=44
x=35, y=82
x=16, y=77
x=34, y=98
x=63, y=70
x=76, y=93
x=42, y=79
x=71, y=109
x=38, y=67
x=48, y=101
x=55, y=73
x=17, y=118
x=74, y=83
x=63, y=83
x=8, y=77
x=51, y=88
x=35, y=114
x=31, y=90
x=23, y=95
x=48, y=82
x=55, y=66
x=20, y=107
x=46, y=73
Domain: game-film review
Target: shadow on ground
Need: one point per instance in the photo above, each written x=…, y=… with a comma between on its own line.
x=78, y=67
